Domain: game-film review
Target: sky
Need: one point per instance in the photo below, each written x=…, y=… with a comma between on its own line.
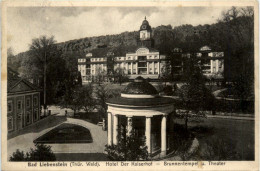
x=68, y=23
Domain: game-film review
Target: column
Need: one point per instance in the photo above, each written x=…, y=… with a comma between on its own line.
x=148, y=133
x=131, y=67
x=147, y=65
x=136, y=68
x=129, y=125
x=153, y=67
x=211, y=66
x=115, y=129
x=126, y=68
x=217, y=66
x=109, y=128
x=32, y=113
x=159, y=67
x=163, y=135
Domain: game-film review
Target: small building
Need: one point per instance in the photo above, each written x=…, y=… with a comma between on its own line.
x=141, y=111
x=211, y=62
x=23, y=102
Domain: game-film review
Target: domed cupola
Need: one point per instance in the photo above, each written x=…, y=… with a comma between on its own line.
x=140, y=88
x=140, y=93
x=145, y=25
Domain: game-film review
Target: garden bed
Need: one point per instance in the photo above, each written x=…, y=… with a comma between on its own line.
x=66, y=133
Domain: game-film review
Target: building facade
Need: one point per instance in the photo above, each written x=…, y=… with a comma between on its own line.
x=23, y=102
x=146, y=61
x=210, y=62
x=143, y=60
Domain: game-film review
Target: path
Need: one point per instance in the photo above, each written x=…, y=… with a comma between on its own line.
x=216, y=93
x=24, y=141
x=99, y=140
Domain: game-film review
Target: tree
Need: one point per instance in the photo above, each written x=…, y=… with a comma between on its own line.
x=103, y=93
x=119, y=75
x=165, y=75
x=99, y=75
x=240, y=34
x=73, y=99
x=129, y=148
x=87, y=101
x=40, y=153
x=194, y=96
x=79, y=79
x=42, y=49
x=12, y=60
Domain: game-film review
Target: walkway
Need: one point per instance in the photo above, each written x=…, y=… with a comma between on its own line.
x=216, y=93
x=99, y=140
x=24, y=141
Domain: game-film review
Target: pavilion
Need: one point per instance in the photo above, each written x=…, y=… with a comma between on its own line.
x=142, y=111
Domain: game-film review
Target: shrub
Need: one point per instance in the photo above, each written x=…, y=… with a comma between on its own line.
x=168, y=90
x=217, y=149
x=40, y=153
x=129, y=148
x=19, y=156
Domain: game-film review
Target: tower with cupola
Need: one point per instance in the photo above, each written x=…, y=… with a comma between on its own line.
x=145, y=35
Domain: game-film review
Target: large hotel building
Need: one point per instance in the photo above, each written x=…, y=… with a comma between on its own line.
x=143, y=60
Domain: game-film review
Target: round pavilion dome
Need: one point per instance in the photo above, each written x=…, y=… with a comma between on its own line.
x=140, y=93
x=140, y=87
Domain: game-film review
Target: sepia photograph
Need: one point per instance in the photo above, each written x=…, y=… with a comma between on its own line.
x=129, y=85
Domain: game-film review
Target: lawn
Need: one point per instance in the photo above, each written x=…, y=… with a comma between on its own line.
x=236, y=136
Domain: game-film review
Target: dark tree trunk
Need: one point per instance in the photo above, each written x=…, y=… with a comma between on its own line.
x=186, y=123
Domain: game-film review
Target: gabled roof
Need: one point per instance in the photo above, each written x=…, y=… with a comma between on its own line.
x=16, y=84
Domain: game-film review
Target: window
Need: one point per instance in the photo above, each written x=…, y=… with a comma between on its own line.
x=150, y=70
x=19, y=105
x=19, y=116
x=10, y=106
x=156, y=68
x=35, y=101
x=35, y=114
x=28, y=117
x=142, y=64
x=10, y=123
x=28, y=102
x=141, y=58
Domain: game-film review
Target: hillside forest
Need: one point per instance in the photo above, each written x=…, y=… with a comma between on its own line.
x=232, y=34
